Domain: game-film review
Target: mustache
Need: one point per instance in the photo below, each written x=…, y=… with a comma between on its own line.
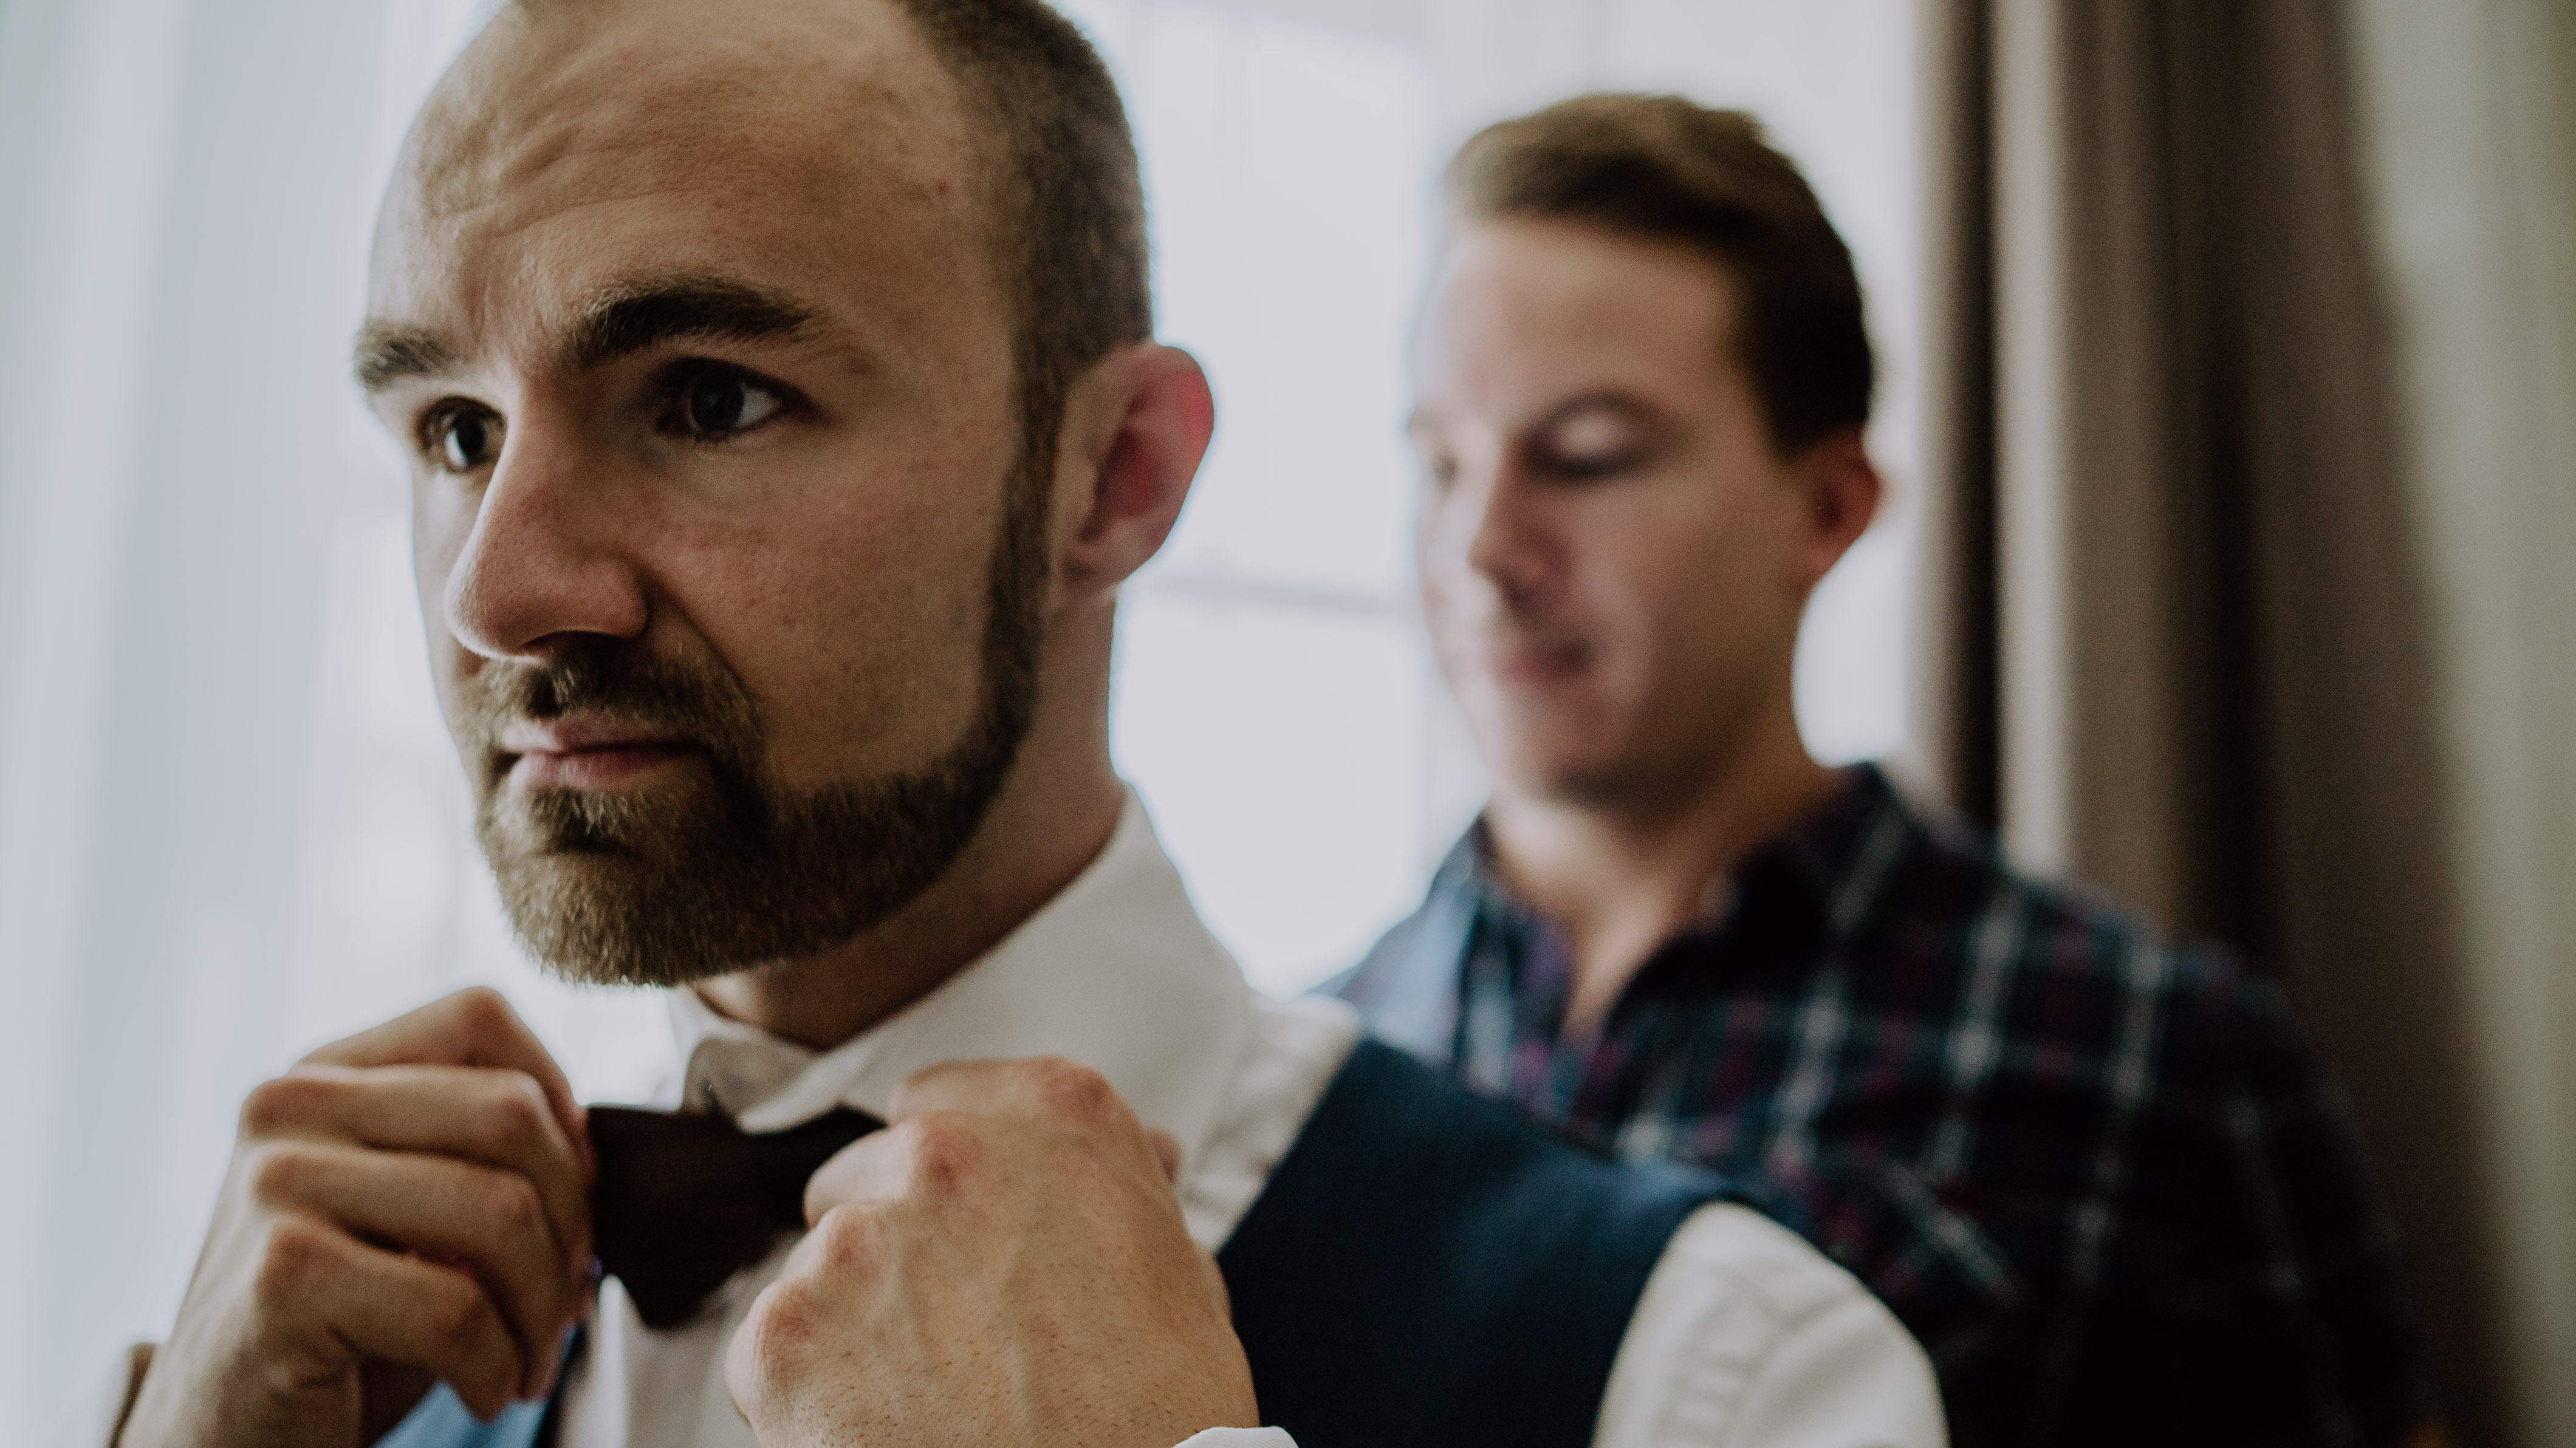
x=617, y=683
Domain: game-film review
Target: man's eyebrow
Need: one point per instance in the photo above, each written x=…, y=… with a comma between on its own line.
x=645, y=314
x=1608, y=399
x=626, y=320
x=391, y=352
x=1599, y=399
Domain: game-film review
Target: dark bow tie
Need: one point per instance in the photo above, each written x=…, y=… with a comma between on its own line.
x=684, y=1201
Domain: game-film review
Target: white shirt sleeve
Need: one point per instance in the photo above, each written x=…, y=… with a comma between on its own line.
x=1748, y=1337
x=1241, y=1438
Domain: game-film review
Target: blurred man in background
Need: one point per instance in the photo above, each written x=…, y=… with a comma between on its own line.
x=2099, y=1177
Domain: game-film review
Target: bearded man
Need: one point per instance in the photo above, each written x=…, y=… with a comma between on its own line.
x=784, y=415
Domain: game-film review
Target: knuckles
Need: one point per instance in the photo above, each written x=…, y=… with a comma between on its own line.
x=279, y=1173
x=291, y=1254
x=511, y=1204
x=480, y=1010
x=283, y=1102
x=517, y=1114
x=456, y=1310
x=788, y=1317
x=849, y=1240
x=1072, y=1092
x=942, y=1152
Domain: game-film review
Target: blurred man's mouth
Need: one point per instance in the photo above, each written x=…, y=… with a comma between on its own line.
x=1532, y=661
x=574, y=753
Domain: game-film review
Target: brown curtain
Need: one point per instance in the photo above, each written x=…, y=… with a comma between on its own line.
x=2174, y=641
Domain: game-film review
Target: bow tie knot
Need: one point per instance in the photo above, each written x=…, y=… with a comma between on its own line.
x=684, y=1201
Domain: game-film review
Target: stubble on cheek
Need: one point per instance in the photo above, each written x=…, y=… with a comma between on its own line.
x=712, y=866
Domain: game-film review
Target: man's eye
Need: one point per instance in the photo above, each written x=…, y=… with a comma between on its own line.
x=721, y=403
x=466, y=441
x=1592, y=465
x=1592, y=443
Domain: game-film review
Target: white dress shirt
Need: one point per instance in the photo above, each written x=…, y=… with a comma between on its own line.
x=1745, y=1335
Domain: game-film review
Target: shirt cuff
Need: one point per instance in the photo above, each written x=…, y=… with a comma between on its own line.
x=1241, y=1438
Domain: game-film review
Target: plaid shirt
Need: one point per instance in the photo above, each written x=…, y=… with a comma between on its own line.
x=2099, y=1178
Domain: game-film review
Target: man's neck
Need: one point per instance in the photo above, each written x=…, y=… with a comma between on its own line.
x=1622, y=878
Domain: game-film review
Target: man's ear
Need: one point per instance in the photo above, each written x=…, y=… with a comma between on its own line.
x=1841, y=491
x=1149, y=416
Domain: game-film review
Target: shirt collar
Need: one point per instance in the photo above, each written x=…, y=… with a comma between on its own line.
x=1116, y=972
x=1825, y=854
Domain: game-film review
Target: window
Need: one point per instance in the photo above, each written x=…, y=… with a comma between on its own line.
x=1270, y=686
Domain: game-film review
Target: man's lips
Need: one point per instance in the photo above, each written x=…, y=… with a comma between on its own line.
x=584, y=754
x=1525, y=660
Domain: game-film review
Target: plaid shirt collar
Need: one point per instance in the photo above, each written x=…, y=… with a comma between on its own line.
x=1821, y=874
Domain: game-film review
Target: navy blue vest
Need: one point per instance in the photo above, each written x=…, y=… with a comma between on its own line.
x=1426, y=1266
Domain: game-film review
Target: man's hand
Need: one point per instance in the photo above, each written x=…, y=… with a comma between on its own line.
x=404, y=1207
x=1004, y=1265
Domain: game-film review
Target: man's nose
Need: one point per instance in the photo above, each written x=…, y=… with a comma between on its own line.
x=544, y=560
x=1495, y=527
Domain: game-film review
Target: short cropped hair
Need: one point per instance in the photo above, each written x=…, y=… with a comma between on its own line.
x=1065, y=200
x=1662, y=168
x=1067, y=205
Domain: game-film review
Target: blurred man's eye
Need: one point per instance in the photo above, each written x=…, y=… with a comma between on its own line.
x=464, y=440
x=1589, y=445
x=1582, y=466
x=720, y=402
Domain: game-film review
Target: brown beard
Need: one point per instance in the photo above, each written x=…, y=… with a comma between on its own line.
x=730, y=869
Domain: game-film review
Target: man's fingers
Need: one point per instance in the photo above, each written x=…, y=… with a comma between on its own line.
x=874, y=1168
x=943, y=1119
x=498, y=1117
x=1058, y=1097
x=942, y=1154
x=488, y=1221
x=1046, y=1091
x=381, y=1305
x=473, y=1027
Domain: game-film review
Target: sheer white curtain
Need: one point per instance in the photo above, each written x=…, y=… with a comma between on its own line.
x=229, y=823
x=184, y=204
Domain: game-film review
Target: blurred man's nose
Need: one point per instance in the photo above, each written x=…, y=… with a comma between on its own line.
x=1491, y=527
x=543, y=563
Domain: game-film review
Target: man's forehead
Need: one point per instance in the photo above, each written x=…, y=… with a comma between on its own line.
x=1540, y=306
x=675, y=135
